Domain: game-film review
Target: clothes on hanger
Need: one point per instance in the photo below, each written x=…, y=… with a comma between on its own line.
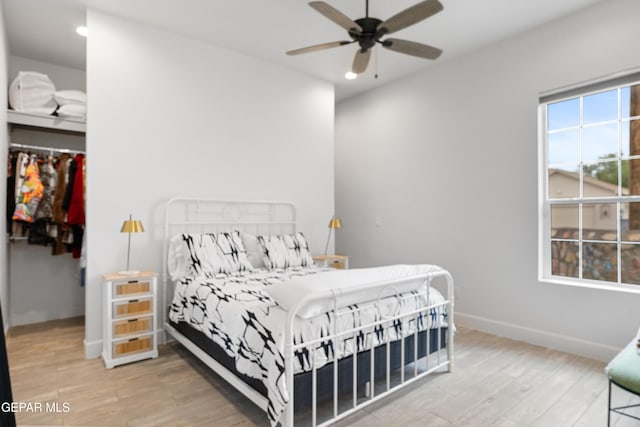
x=30, y=193
x=46, y=197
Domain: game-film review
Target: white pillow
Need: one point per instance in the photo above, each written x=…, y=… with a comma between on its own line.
x=177, y=260
x=32, y=92
x=348, y=285
x=287, y=250
x=72, y=110
x=195, y=255
x=232, y=249
x=65, y=97
x=254, y=250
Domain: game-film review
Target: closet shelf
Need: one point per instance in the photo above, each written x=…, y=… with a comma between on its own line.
x=48, y=122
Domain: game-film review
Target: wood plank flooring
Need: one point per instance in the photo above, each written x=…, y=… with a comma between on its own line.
x=496, y=382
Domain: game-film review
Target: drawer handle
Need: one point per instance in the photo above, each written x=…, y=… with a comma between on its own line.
x=132, y=320
x=133, y=300
x=133, y=339
x=132, y=281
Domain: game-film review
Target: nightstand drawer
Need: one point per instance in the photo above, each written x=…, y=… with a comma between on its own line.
x=337, y=264
x=334, y=261
x=132, y=307
x=133, y=345
x=133, y=287
x=132, y=326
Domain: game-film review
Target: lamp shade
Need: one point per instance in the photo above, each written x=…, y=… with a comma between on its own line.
x=132, y=226
x=335, y=223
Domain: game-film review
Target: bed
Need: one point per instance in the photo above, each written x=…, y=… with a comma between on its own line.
x=308, y=345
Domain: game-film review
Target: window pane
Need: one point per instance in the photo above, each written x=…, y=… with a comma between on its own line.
x=600, y=261
x=601, y=179
x=564, y=147
x=564, y=182
x=625, y=147
x=631, y=186
x=600, y=142
x=599, y=221
x=563, y=114
x=564, y=221
x=600, y=107
x=564, y=259
x=626, y=144
x=630, y=222
x=625, y=101
x=631, y=264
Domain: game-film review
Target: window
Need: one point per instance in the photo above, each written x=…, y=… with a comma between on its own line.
x=590, y=184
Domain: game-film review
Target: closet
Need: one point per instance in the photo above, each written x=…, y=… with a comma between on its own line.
x=42, y=286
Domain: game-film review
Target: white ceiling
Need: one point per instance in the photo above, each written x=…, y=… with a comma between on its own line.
x=44, y=30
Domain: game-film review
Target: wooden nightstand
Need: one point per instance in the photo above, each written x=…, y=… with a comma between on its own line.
x=334, y=261
x=130, y=313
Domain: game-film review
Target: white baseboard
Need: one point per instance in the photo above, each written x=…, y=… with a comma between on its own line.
x=548, y=339
x=32, y=317
x=92, y=349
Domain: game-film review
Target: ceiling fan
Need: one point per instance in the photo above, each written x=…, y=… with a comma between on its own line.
x=368, y=31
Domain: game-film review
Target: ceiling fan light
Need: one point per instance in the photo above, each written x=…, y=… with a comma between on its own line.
x=350, y=75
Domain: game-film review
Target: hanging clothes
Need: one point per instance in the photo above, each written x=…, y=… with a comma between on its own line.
x=48, y=177
x=62, y=230
x=68, y=192
x=75, y=213
x=11, y=184
x=45, y=203
x=58, y=214
x=75, y=210
x=30, y=193
x=17, y=228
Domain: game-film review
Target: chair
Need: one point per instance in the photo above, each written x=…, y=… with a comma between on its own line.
x=624, y=372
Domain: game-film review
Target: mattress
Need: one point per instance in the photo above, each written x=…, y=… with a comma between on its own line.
x=303, y=382
x=239, y=315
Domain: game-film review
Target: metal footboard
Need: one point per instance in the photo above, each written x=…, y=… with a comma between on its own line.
x=412, y=366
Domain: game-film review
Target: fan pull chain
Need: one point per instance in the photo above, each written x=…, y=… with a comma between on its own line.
x=375, y=58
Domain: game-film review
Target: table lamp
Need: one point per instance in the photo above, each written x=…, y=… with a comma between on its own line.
x=334, y=224
x=130, y=226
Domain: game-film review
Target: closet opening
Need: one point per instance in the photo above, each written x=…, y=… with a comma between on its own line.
x=45, y=224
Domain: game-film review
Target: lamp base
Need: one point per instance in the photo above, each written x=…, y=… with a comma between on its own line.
x=129, y=272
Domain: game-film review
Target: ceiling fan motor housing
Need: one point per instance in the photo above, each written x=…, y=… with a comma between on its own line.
x=369, y=35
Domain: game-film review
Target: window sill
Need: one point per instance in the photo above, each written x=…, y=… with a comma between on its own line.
x=602, y=286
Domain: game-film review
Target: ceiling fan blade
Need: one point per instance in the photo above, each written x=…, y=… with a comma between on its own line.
x=410, y=16
x=412, y=48
x=317, y=47
x=361, y=60
x=336, y=16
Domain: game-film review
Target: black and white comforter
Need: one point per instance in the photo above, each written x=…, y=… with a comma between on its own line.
x=237, y=313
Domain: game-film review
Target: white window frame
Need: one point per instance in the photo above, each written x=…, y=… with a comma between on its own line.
x=620, y=80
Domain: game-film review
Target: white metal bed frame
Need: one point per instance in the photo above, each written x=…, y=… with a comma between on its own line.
x=198, y=215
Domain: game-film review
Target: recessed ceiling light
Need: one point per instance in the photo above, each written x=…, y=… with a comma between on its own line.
x=82, y=30
x=350, y=75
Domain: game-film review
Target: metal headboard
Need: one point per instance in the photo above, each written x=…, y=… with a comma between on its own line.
x=202, y=215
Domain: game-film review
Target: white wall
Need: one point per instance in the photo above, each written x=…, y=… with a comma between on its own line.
x=4, y=138
x=446, y=160
x=170, y=116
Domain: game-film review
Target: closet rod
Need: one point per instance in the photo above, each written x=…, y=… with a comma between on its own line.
x=37, y=147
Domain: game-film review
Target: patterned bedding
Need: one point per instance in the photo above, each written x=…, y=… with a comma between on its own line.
x=236, y=311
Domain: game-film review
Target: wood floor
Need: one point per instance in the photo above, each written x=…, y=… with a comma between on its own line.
x=497, y=382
